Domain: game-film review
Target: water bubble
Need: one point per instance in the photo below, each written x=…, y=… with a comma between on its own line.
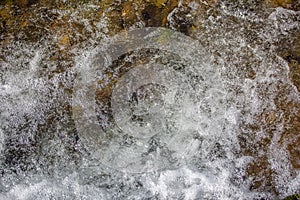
x=150, y=103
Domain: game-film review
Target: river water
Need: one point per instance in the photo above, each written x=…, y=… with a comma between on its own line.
x=149, y=100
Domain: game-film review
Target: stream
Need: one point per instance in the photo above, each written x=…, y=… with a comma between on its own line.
x=155, y=99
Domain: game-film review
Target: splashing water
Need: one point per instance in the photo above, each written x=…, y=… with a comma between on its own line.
x=151, y=113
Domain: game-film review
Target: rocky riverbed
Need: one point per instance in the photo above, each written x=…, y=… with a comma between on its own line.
x=240, y=130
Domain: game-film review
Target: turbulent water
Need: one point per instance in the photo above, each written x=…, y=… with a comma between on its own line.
x=151, y=113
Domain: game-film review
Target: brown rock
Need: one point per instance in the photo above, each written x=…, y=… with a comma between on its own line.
x=159, y=3
x=262, y=175
x=128, y=14
x=155, y=14
x=289, y=4
x=294, y=151
x=291, y=53
x=152, y=15
x=25, y=3
x=64, y=40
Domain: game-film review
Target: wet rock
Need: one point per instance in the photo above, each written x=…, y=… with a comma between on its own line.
x=25, y=3
x=159, y=3
x=64, y=41
x=290, y=51
x=290, y=138
x=129, y=14
x=295, y=73
x=115, y=20
x=155, y=14
x=257, y=144
x=289, y=4
x=183, y=20
x=262, y=174
x=152, y=16
x=293, y=197
x=270, y=117
x=294, y=151
x=5, y=19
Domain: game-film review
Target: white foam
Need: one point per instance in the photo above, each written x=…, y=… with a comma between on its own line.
x=2, y=140
x=206, y=126
x=67, y=189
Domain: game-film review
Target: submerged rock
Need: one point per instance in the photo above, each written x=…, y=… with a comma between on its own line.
x=289, y=4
